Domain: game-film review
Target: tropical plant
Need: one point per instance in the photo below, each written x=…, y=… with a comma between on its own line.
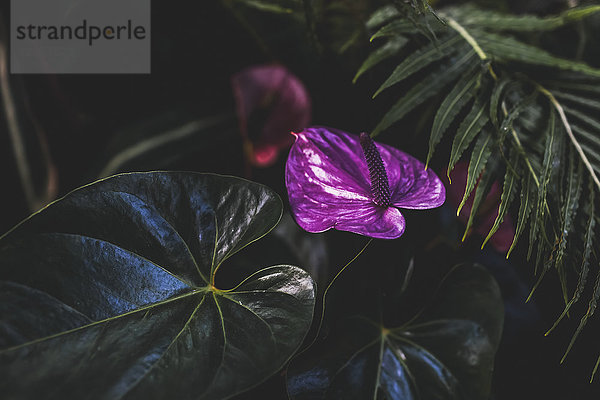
x=204, y=285
x=501, y=94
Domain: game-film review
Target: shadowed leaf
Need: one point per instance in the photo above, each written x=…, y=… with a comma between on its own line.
x=128, y=266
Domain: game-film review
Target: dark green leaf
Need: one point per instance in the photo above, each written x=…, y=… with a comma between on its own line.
x=587, y=135
x=485, y=182
x=580, y=100
x=585, y=259
x=468, y=129
x=528, y=193
x=277, y=7
x=595, y=124
x=446, y=354
x=588, y=87
x=457, y=98
x=470, y=15
x=381, y=16
x=127, y=265
x=495, y=99
x=479, y=158
x=569, y=205
x=509, y=189
x=521, y=105
x=387, y=50
x=421, y=58
x=425, y=89
x=592, y=305
x=509, y=49
x=410, y=25
x=551, y=153
x=166, y=138
x=394, y=28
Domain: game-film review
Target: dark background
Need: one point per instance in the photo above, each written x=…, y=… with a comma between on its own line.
x=195, y=50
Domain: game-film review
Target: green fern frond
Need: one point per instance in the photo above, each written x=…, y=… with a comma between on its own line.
x=425, y=89
x=277, y=7
x=549, y=127
x=506, y=48
x=528, y=198
x=509, y=190
x=479, y=158
x=421, y=59
x=458, y=97
x=483, y=188
x=467, y=131
x=386, y=51
x=471, y=15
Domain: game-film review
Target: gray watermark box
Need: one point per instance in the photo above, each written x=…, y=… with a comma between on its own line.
x=80, y=36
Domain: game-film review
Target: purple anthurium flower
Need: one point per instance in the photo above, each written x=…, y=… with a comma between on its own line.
x=338, y=180
x=277, y=102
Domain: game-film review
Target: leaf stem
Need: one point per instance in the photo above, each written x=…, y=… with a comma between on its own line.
x=471, y=40
x=567, y=126
x=521, y=150
x=327, y=291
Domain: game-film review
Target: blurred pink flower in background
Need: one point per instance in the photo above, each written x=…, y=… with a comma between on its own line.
x=488, y=210
x=270, y=103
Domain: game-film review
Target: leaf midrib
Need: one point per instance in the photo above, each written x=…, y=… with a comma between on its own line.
x=193, y=292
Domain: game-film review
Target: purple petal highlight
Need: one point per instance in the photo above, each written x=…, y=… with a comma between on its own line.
x=329, y=185
x=412, y=186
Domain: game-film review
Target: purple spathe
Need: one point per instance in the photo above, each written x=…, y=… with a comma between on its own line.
x=329, y=186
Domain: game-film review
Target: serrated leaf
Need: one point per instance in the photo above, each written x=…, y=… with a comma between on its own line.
x=129, y=264
x=278, y=7
x=384, y=52
x=448, y=353
x=509, y=190
x=590, y=311
x=394, y=28
x=409, y=26
x=582, y=117
x=424, y=90
x=521, y=105
x=552, y=149
x=587, y=87
x=479, y=157
x=467, y=130
x=421, y=58
x=458, y=97
x=509, y=49
x=495, y=98
x=584, y=101
x=568, y=211
x=483, y=187
x=528, y=196
x=593, y=138
x=585, y=258
x=470, y=15
x=381, y=16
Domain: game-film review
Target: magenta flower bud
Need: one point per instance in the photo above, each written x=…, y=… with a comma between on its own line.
x=340, y=181
x=274, y=91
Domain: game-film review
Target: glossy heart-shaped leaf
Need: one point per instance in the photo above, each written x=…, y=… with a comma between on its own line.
x=110, y=292
x=446, y=354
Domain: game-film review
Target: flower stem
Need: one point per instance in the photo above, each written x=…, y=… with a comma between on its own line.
x=327, y=291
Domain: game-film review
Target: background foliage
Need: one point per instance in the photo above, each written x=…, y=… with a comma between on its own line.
x=511, y=87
